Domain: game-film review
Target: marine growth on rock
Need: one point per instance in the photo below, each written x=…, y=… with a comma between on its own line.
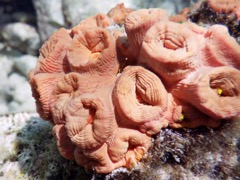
x=114, y=80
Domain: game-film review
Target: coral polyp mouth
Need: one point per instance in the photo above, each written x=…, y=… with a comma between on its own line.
x=172, y=40
x=91, y=116
x=224, y=87
x=139, y=97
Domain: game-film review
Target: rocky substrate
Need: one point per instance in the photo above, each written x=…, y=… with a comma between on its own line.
x=29, y=151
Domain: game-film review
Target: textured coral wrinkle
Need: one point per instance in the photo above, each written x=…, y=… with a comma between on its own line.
x=113, y=81
x=221, y=48
x=51, y=61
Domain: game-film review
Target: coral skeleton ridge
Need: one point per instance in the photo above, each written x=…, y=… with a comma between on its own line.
x=114, y=80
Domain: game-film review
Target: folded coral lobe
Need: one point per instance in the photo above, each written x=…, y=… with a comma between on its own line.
x=42, y=88
x=100, y=20
x=119, y=13
x=139, y=97
x=98, y=129
x=53, y=52
x=170, y=50
x=84, y=105
x=221, y=49
x=64, y=144
x=128, y=144
x=93, y=51
x=138, y=22
x=214, y=91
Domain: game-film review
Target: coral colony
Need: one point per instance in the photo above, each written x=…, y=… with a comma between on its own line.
x=114, y=80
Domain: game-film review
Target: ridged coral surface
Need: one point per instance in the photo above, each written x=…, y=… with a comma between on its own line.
x=113, y=81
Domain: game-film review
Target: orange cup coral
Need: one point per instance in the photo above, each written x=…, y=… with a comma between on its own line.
x=214, y=91
x=104, y=113
x=138, y=22
x=93, y=51
x=170, y=50
x=140, y=97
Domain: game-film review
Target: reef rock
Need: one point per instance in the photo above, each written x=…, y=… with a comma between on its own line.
x=22, y=37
